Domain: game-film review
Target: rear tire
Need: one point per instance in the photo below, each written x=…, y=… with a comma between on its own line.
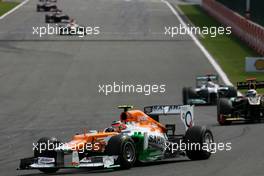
x=198, y=135
x=124, y=147
x=47, y=19
x=224, y=107
x=47, y=153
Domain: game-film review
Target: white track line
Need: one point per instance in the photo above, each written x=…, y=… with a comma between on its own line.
x=14, y=9
x=204, y=51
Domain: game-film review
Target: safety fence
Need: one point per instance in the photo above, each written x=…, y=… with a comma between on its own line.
x=246, y=30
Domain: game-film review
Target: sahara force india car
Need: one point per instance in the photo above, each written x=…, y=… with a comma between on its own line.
x=136, y=137
x=207, y=91
x=242, y=108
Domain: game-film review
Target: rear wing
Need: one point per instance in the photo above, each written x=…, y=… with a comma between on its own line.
x=201, y=80
x=185, y=112
x=207, y=77
x=250, y=84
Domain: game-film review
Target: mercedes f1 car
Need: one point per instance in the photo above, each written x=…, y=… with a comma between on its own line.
x=207, y=91
x=56, y=17
x=137, y=137
x=242, y=108
x=47, y=7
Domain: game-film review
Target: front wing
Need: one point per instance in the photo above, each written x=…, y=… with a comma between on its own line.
x=59, y=162
x=197, y=101
x=241, y=119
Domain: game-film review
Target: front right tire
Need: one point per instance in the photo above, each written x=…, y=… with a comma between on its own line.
x=232, y=92
x=224, y=107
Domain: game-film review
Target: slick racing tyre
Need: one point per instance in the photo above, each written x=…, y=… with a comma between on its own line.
x=38, y=9
x=124, y=147
x=188, y=93
x=201, y=136
x=47, y=19
x=224, y=107
x=45, y=141
x=232, y=92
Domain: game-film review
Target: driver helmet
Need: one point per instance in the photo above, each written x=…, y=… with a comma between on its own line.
x=118, y=125
x=251, y=93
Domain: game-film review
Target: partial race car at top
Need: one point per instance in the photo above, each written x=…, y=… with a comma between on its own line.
x=136, y=137
x=248, y=108
x=47, y=7
x=207, y=91
x=56, y=17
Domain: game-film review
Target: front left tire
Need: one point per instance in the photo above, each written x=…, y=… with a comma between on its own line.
x=48, y=142
x=124, y=147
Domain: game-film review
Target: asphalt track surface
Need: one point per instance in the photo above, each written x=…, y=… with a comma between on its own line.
x=50, y=88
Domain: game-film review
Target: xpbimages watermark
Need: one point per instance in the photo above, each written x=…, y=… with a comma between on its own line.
x=121, y=87
x=212, y=31
x=209, y=147
x=79, y=31
x=50, y=146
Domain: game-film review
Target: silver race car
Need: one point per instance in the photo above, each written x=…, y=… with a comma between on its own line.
x=207, y=91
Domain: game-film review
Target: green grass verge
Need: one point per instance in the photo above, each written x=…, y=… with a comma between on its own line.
x=6, y=6
x=228, y=50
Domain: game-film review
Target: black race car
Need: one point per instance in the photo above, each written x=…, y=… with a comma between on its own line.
x=242, y=108
x=47, y=7
x=207, y=91
x=56, y=17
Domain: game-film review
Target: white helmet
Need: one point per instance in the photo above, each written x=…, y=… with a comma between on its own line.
x=251, y=93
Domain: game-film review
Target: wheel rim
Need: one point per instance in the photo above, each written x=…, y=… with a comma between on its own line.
x=208, y=139
x=221, y=119
x=129, y=152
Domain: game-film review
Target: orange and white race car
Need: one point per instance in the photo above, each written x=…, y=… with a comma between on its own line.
x=136, y=137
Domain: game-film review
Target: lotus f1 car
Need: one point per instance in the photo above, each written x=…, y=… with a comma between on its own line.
x=207, y=91
x=56, y=17
x=242, y=108
x=137, y=137
x=47, y=7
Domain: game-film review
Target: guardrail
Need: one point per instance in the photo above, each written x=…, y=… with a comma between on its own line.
x=246, y=30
